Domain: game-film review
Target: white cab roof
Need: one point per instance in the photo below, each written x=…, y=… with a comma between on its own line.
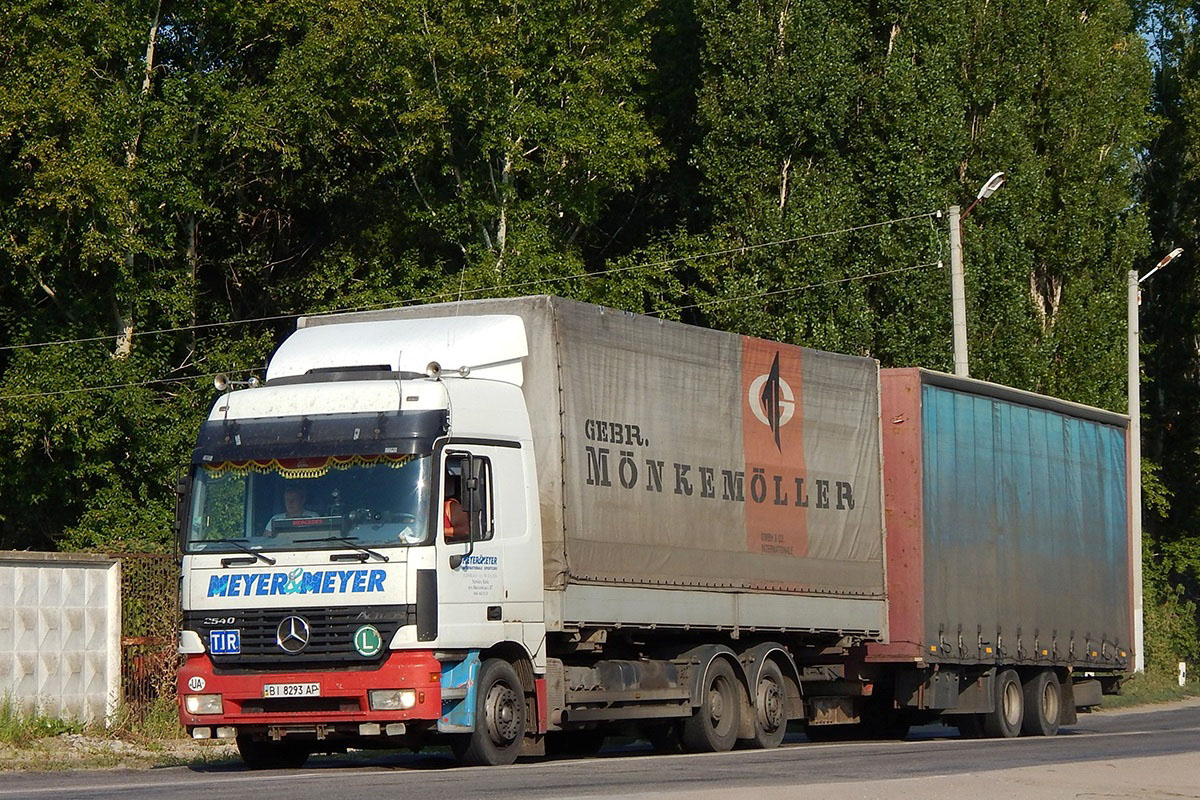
x=491, y=346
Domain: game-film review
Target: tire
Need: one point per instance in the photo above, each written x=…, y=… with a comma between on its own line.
x=1004, y=721
x=1043, y=704
x=770, y=708
x=500, y=718
x=259, y=754
x=713, y=725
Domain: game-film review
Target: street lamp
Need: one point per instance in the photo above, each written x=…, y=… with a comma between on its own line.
x=958, y=290
x=1135, y=454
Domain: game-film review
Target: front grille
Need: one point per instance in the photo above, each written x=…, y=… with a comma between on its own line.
x=330, y=642
x=305, y=705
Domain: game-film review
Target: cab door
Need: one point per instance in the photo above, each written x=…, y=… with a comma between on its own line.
x=470, y=562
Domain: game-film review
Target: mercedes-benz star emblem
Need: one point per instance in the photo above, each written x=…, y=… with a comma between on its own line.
x=292, y=634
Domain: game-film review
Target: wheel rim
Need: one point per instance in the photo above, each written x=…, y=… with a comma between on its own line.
x=502, y=713
x=719, y=696
x=770, y=705
x=1012, y=703
x=1050, y=702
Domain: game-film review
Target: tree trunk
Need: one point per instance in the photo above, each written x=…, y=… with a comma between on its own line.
x=124, y=311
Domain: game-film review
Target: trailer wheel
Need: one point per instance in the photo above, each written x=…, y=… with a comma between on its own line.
x=259, y=754
x=499, y=718
x=713, y=725
x=1004, y=721
x=770, y=708
x=1043, y=704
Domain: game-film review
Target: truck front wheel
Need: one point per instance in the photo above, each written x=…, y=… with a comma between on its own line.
x=713, y=725
x=1004, y=721
x=500, y=718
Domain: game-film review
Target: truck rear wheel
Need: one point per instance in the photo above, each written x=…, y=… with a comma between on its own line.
x=1004, y=721
x=713, y=726
x=770, y=708
x=1043, y=704
x=259, y=754
x=499, y=718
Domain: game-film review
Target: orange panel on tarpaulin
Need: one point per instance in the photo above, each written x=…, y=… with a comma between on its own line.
x=773, y=443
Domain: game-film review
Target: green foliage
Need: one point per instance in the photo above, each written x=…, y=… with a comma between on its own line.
x=1146, y=688
x=20, y=727
x=1170, y=314
x=1172, y=624
x=215, y=169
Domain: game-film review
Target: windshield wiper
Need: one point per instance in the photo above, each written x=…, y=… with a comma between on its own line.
x=225, y=562
x=351, y=541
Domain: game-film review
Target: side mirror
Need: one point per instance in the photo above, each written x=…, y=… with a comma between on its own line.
x=474, y=505
x=182, y=484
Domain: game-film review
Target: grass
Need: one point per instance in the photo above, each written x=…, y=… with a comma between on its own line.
x=1147, y=688
x=18, y=727
x=152, y=723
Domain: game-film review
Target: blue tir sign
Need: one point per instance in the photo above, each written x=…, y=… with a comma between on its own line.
x=298, y=581
x=225, y=642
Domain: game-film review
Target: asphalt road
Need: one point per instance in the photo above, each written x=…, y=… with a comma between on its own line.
x=1149, y=754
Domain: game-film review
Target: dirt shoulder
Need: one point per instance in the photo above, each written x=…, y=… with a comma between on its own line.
x=82, y=751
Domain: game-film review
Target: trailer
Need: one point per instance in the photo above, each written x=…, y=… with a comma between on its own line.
x=524, y=524
x=1008, y=552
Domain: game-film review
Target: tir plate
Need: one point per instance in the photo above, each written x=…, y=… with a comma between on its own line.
x=291, y=690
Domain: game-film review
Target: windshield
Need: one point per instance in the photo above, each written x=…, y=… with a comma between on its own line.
x=310, y=503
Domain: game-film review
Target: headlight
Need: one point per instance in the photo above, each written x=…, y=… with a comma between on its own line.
x=203, y=704
x=392, y=699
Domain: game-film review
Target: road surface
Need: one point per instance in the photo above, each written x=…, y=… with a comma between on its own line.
x=1142, y=754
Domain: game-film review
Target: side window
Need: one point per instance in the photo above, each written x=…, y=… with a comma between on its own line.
x=467, y=499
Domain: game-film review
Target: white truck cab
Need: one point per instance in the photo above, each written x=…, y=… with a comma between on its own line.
x=324, y=594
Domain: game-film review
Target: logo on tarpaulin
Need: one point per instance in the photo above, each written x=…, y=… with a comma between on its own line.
x=772, y=400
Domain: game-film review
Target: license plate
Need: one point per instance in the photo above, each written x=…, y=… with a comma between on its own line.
x=291, y=690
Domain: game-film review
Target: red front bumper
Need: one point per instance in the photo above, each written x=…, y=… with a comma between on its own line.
x=343, y=695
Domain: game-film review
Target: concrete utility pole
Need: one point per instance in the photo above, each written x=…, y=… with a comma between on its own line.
x=1135, y=472
x=1134, y=300
x=958, y=294
x=958, y=289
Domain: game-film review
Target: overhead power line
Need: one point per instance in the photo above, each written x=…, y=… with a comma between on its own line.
x=790, y=289
x=684, y=307
x=110, y=386
x=664, y=264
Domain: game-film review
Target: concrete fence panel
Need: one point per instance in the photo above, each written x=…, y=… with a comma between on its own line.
x=60, y=634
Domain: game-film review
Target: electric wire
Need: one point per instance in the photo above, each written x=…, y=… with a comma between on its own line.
x=724, y=300
x=659, y=312
x=111, y=386
x=662, y=265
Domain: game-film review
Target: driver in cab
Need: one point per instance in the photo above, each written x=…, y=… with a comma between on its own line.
x=455, y=523
x=294, y=498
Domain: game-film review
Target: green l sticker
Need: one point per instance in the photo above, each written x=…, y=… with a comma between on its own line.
x=367, y=641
